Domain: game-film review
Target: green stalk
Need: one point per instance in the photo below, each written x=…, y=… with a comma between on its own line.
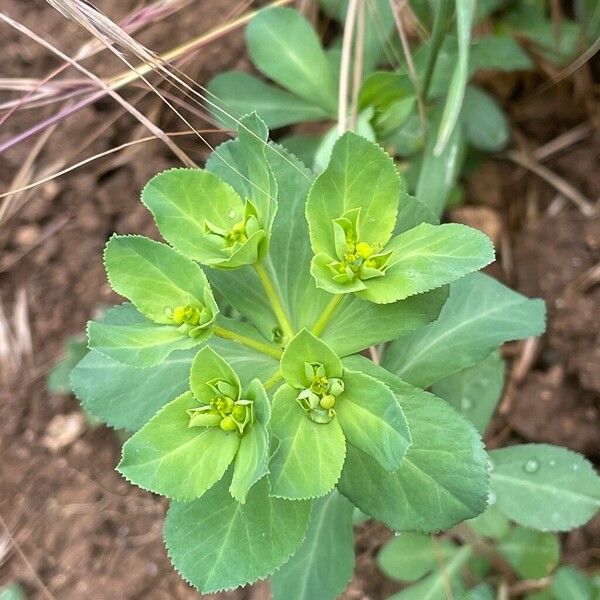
x=328, y=313
x=263, y=347
x=273, y=380
x=440, y=20
x=275, y=301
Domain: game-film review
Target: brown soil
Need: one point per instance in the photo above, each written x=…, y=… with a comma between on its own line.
x=72, y=527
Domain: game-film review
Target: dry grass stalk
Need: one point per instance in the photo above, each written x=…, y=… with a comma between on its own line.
x=16, y=347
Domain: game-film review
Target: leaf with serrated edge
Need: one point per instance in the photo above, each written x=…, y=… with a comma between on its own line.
x=545, y=487
x=443, y=478
x=480, y=314
x=310, y=456
x=153, y=276
x=306, y=348
x=251, y=460
x=216, y=543
x=168, y=457
x=429, y=256
x=372, y=419
x=372, y=184
x=140, y=345
x=322, y=567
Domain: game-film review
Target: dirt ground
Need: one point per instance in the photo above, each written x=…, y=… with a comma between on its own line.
x=70, y=526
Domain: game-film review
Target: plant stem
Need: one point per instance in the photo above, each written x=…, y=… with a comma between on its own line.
x=263, y=347
x=327, y=314
x=273, y=380
x=275, y=301
x=345, y=65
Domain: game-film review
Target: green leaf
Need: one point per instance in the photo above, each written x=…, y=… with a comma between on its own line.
x=250, y=463
x=545, y=487
x=439, y=172
x=409, y=556
x=302, y=147
x=533, y=554
x=475, y=391
x=155, y=277
x=499, y=52
x=443, y=478
x=310, y=456
x=59, y=379
x=141, y=344
x=323, y=152
x=168, y=457
x=284, y=46
x=207, y=367
x=306, y=348
x=372, y=419
x=434, y=586
x=215, y=543
x=257, y=181
x=426, y=257
x=323, y=564
x=189, y=205
x=484, y=122
x=465, y=10
x=12, y=592
x=480, y=314
x=238, y=94
x=491, y=523
x=372, y=185
x=480, y=592
x=569, y=583
x=359, y=324
x=126, y=397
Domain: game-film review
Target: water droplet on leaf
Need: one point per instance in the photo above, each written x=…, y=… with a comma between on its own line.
x=531, y=466
x=466, y=404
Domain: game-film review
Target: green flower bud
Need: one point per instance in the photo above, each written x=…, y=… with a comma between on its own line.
x=204, y=419
x=327, y=402
x=364, y=250
x=228, y=424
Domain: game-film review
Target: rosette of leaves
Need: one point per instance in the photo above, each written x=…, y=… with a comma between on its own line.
x=206, y=219
x=176, y=306
x=254, y=497
x=187, y=447
x=352, y=222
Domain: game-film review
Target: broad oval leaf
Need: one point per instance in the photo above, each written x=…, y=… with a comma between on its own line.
x=443, y=478
x=141, y=344
x=309, y=458
x=323, y=564
x=569, y=583
x=475, y=391
x=409, y=556
x=484, y=122
x=372, y=419
x=359, y=324
x=532, y=554
x=284, y=46
x=372, y=185
x=480, y=314
x=182, y=201
x=237, y=94
x=429, y=256
x=168, y=457
x=153, y=276
x=216, y=543
x=545, y=487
